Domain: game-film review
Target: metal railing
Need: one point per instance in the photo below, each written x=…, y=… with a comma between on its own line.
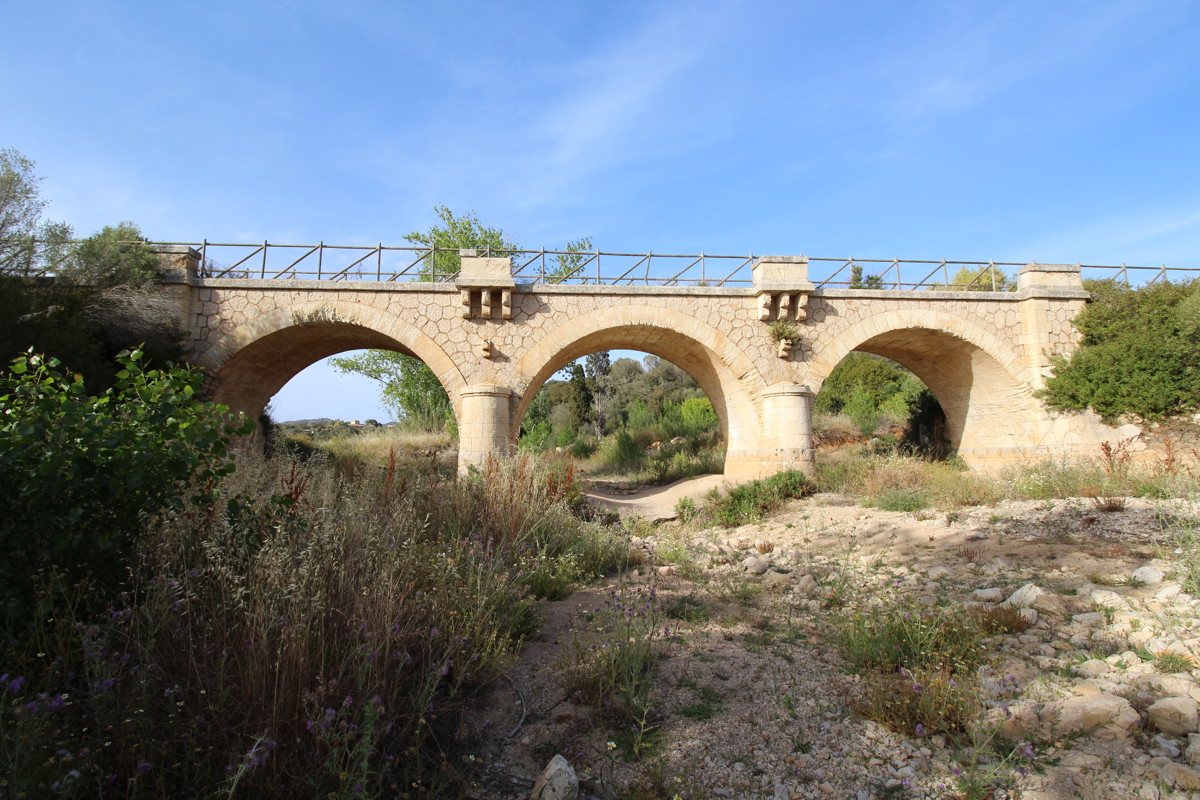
x=384, y=263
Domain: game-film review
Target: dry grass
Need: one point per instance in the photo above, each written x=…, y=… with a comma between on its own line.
x=314, y=634
x=374, y=444
x=834, y=430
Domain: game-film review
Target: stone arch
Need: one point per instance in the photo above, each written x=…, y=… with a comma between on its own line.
x=253, y=360
x=980, y=382
x=726, y=375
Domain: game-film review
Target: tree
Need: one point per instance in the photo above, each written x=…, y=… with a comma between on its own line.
x=93, y=467
x=580, y=398
x=981, y=279
x=857, y=281
x=104, y=296
x=454, y=234
x=570, y=264
x=597, y=368
x=409, y=389
x=1139, y=352
x=27, y=242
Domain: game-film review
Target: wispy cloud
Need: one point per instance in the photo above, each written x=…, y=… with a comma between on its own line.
x=1148, y=238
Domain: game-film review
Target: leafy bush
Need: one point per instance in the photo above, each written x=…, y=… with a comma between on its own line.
x=751, y=501
x=86, y=472
x=698, y=415
x=895, y=638
x=1139, y=352
x=899, y=500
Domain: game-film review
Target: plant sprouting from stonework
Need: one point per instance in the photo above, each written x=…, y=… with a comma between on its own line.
x=784, y=330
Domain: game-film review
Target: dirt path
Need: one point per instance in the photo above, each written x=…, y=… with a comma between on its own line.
x=657, y=503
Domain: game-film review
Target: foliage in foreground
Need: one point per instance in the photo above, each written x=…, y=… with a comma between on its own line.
x=83, y=473
x=316, y=634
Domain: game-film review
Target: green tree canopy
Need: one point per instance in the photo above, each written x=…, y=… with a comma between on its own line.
x=104, y=296
x=1139, y=352
x=457, y=233
x=982, y=279
x=408, y=387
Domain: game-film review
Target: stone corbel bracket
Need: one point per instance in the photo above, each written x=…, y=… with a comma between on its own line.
x=486, y=286
x=782, y=287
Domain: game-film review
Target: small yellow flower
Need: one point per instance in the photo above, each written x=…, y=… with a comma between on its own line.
x=611, y=745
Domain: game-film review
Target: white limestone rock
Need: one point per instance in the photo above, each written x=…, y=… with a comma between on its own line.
x=1102, y=716
x=1175, y=715
x=1024, y=597
x=557, y=782
x=1148, y=575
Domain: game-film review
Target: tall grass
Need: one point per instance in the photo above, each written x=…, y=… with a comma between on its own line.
x=893, y=480
x=317, y=634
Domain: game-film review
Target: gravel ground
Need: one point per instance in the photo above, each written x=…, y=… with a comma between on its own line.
x=753, y=701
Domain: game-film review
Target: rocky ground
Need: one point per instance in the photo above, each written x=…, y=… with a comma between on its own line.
x=753, y=700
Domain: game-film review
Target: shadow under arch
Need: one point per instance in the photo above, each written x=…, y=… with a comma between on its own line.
x=251, y=363
x=725, y=375
x=978, y=381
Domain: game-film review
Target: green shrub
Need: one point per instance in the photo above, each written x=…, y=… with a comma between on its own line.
x=889, y=639
x=751, y=501
x=919, y=701
x=698, y=415
x=899, y=500
x=864, y=411
x=621, y=452
x=93, y=469
x=537, y=439
x=1138, y=353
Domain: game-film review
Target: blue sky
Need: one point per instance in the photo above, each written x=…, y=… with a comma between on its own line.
x=1016, y=131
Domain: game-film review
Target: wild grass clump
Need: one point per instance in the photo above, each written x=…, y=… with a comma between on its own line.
x=916, y=667
x=1109, y=478
x=896, y=482
x=752, y=501
x=898, y=499
x=314, y=634
x=612, y=663
x=1181, y=537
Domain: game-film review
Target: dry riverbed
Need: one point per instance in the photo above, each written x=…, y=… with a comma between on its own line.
x=753, y=699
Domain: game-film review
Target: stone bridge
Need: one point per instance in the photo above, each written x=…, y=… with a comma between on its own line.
x=493, y=342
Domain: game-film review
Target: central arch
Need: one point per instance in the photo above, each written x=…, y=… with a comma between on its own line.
x=251, y=362
x=725, y=375
x=979, y=383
